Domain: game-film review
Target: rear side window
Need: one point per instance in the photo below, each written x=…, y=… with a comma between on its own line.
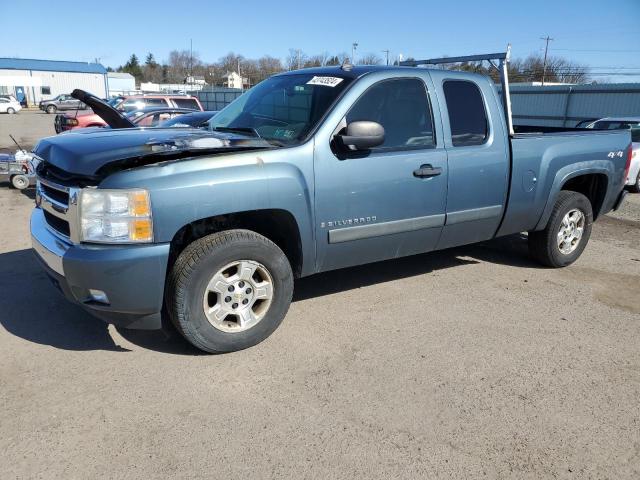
x=155, y=102
x=467, y=116
x=186, y=103
x=402, y=107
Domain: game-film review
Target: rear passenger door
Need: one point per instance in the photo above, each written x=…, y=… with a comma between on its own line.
x=478, y=152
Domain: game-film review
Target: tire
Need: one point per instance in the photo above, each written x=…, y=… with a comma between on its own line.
x=544, y=245
x=635, y=188
x=51, y=109
x=20, y=181
x=191, y=277
x=11, y=111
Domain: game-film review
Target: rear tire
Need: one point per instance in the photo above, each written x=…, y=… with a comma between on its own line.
x=20, y=181
x=51, y=109
x=558, y=244
x=194, y=303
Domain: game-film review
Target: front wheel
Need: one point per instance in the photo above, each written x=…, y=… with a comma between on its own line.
x=229, y=290
x=11, y=110
x=567, y=232
x=51, y=109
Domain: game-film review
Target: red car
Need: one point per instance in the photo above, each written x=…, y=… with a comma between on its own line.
x=70, y=121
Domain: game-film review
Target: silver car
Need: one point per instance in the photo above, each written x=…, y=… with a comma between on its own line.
x=633, y=123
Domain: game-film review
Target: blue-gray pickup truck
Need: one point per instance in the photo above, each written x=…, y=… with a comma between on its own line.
x=308, y=171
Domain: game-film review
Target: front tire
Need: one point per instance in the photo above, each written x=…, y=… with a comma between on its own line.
x=11, y=110
x=51, y=109
x=229, y=290
x=567, y=232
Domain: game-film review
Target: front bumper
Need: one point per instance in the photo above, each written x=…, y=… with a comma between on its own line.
x=131, y=276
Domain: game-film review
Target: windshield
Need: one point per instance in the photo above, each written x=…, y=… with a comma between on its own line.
x=282, y=109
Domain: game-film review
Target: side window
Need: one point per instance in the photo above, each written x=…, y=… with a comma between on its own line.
x=402, y=107
x=186, y=103
x=155, y=102
x=467, y=115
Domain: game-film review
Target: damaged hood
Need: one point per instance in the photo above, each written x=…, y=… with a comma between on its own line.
x=93, y=154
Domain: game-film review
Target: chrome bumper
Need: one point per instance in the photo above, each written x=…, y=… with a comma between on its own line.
x=49, y=247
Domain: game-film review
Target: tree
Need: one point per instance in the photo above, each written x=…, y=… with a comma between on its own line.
x=133, y=67
x=369, y=59
x=296, y=59
x=152, y=71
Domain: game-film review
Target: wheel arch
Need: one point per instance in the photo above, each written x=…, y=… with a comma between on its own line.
x=593, y=182
x=278, y=225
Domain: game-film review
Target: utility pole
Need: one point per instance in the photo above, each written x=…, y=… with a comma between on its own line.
x=547, y=39
x=386, y=53
x=354, y=47
x=299, y=64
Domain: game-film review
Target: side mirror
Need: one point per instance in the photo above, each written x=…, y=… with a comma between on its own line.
x=362, y=135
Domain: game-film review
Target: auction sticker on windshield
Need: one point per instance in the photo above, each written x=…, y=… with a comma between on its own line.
x=326, y=81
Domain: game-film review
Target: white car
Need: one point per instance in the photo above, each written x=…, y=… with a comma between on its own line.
x=9, y=105
x=611, y=123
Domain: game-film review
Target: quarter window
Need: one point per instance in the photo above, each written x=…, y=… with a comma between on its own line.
x=467, y=116
x=402, y=107
x=186, y=103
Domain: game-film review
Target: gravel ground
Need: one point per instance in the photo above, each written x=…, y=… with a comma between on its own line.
x=472, y=362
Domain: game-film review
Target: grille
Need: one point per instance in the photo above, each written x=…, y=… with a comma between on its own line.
x=59, y=204
x=58, y=224
x=61, y=196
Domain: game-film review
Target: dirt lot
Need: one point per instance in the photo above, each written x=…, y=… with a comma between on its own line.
x=468, y=363
x=27, y=127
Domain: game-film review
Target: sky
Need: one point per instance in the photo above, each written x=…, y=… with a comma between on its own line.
x=603, y=34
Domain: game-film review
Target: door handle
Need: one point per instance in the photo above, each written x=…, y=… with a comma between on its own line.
x=427, y=170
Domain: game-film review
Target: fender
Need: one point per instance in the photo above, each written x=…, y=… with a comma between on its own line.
x=203, y=187
x=568, y=172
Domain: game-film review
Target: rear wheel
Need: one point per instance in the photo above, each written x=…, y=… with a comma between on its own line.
x=20, y=181
x=229, y=290
x=567, y=232
x=51, y=109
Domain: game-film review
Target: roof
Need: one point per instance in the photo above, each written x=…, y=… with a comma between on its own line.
x=354, y=71
x=50, y=65
x=126, y=75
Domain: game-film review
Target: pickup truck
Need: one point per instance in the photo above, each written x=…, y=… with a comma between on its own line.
x=308, y=171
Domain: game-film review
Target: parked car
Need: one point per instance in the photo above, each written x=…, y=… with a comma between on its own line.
x=147, y=117
x=9, y=106
x=632, y=123
x=194, y=119
x=61, y=102
x=309, y=171
x=126, y=104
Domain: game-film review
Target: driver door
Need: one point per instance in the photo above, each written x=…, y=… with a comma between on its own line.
x=374, y=205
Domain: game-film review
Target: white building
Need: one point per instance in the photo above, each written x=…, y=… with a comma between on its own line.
x=33, y=80
x=120, y=83
x=234, y=80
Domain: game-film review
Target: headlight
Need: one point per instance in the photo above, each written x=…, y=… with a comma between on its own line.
x=115, y=216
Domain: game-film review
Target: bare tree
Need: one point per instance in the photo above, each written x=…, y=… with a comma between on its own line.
x=369, y=59
x=296, y=59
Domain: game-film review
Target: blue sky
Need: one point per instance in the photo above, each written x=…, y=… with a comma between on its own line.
x=604, y=34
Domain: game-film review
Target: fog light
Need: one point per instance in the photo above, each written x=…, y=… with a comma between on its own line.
x=98, y=296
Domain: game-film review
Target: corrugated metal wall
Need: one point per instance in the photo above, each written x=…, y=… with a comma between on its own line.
x=216, y=98
x=564, y=106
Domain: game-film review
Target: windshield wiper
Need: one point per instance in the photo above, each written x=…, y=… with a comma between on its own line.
x=250, y=130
